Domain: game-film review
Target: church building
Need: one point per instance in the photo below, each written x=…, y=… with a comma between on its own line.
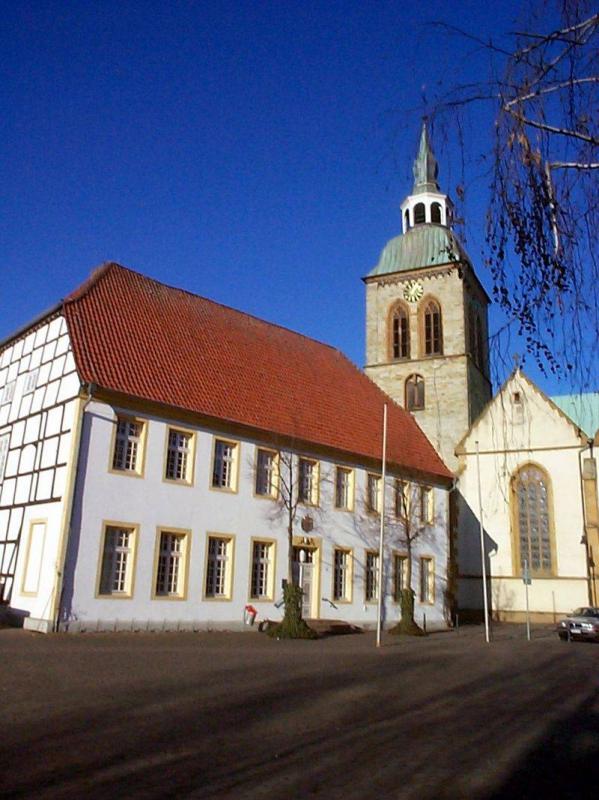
x=529, y=457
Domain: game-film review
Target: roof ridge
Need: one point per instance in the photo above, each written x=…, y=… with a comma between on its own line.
x=99, y=272
x=94, y=277
x=574, y=394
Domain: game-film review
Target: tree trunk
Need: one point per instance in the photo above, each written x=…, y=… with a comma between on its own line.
x=407, y=624
x=292, y=625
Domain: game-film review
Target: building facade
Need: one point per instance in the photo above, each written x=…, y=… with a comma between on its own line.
x=536, y=472
x=151, y=445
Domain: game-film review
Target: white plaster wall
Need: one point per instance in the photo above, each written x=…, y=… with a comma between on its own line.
x=151, y=502
x=508, y=438
x=39, y=422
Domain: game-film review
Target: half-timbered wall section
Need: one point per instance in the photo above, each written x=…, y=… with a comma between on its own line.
x=38, y=390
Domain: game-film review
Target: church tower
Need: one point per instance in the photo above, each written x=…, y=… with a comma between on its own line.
x=426, y=316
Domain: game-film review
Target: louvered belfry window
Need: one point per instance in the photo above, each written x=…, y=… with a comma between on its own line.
x=433, y=333
x=400, y=334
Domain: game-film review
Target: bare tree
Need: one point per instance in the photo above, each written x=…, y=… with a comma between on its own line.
x=289, y=495
x=542, y=244
x=411, y=509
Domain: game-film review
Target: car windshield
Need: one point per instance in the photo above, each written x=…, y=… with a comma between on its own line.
x=586, y=612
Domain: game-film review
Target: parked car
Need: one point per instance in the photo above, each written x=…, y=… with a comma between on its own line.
x=583, y=623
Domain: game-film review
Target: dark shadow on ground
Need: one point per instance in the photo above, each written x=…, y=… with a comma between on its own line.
x=565, y=764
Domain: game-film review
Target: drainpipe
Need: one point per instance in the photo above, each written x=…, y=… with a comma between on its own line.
x=585, y=524
x=67, y=511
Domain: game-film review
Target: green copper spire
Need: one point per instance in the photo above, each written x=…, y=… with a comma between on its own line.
x=425, y=167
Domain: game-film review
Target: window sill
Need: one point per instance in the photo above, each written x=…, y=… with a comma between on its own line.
x=177, y=482
x=169, y=597
x=129, y=473
x=217, y=598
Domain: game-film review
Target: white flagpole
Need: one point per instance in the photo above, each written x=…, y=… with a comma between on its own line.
x=379, y=610
x=482, y=544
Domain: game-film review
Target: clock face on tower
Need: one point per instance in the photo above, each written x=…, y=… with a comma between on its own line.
x=413, y=291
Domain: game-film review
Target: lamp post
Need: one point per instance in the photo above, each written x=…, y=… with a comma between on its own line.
x=379, y=607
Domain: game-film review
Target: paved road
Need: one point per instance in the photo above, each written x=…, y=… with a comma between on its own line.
x=241, y=716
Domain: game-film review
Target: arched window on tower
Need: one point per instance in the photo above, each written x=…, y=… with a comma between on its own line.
x=533, y=516
x=436, y=212
x=400, y=333
x=433, y=331
x=419, y=214
x=414, y=392
x=406, y=218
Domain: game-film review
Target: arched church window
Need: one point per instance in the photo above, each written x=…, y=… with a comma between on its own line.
x=436, y=212
x=406, y=217
x=414, y=392
x=533, y=517
x=400, y=333
x=433, y=332
x=419, y=214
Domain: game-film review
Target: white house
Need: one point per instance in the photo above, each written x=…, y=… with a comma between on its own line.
x=146, y=436
x=539, y=503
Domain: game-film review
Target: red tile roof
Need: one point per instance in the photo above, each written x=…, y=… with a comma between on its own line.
x=135, y=336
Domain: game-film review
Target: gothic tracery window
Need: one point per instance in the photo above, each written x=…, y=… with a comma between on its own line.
x=414, y=392
x=533, y=517
x=433, y=333
x=400, y=333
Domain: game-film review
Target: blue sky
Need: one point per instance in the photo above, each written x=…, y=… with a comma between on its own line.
x=254, y=153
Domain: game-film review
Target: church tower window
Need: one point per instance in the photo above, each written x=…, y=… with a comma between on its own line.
x=400, y=333
x=436, y=212
x=433, y=333
x=406, y=218
x=414, y=392
x=533, y=518
x=419, y=214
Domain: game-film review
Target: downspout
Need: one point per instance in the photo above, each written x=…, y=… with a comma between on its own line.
x=67, y=509
x=584, y=539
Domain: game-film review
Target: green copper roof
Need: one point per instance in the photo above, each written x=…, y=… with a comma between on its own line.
x=425, y=166
x=425, y=245
x=583, y=410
